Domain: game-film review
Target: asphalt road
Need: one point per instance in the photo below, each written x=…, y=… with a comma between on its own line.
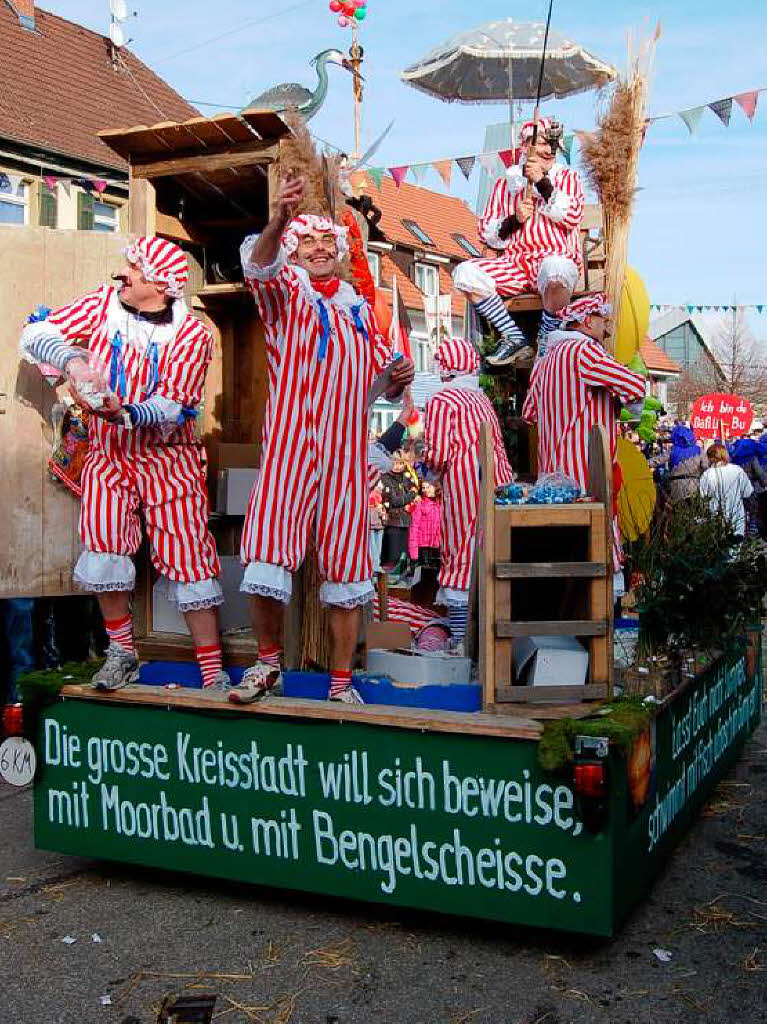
x=277, y=958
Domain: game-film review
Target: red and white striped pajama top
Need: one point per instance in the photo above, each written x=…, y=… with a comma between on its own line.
x=314, y=466
x=572, y=389
x=144, y=467
x=453, y=418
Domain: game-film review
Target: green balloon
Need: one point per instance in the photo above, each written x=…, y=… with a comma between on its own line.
x=360, y=13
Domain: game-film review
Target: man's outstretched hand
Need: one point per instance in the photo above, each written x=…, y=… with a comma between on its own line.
x=402, y=374
x=290, y=194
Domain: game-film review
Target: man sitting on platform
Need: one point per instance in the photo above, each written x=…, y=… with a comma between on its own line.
x=538, y=236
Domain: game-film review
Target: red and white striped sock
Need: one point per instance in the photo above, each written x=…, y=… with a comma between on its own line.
x=209, y=660
x=270, y=655
x=120, y=632
x=339, y=681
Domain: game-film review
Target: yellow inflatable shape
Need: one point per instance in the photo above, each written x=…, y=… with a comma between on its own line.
x=637, y=496
x=633, y=318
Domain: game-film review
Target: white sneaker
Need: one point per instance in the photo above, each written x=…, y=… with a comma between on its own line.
x=258, y=681
x=119, y=670
x=350, y=695
x=221, y=683
x=506, y=351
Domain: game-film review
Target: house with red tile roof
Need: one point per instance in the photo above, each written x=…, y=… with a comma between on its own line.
x=661, y=368
x=419, y=240
x=60, y=84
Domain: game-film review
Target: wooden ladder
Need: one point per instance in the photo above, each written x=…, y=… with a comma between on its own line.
x=501, y=536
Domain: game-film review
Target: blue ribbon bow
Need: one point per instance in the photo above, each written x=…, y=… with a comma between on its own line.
x=324, y=330
x=186, y=414
x=355, y=311
x=153, y=358
x=117, y=367
x=41, y=313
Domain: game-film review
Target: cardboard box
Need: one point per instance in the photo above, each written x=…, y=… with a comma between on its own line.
x=387, y=636
x=234, y=613
x=405, y=666
x=550, y=661
x=234, y=487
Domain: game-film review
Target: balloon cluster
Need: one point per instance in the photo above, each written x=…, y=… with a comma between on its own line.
x=349, y=11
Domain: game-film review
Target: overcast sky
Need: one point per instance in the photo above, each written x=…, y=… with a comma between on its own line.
x=700, y=221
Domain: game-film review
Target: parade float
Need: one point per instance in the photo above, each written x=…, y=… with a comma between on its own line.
x=519, y=796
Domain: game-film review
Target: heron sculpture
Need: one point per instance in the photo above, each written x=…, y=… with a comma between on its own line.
x=292, y=95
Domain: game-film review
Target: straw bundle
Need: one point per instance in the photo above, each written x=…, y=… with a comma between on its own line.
x=610, y=156
x=299, y=156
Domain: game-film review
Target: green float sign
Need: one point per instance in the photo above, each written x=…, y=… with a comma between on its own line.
x=456, y=823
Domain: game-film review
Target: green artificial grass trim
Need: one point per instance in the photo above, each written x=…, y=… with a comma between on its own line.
x=621, y=721
x=43, y=686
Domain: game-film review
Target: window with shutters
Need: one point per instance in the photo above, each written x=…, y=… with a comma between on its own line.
x=14, y=201
x=96, y=215
x=48, y=206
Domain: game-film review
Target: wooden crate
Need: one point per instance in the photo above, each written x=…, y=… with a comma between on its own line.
x=580, y=534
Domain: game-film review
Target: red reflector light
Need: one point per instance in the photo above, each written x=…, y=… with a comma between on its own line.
x=590, y=780
x=13, y=720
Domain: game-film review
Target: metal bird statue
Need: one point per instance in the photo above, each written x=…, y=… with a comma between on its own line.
x=281, y=98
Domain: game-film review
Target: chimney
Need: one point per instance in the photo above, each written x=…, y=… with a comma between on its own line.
x=26, y=12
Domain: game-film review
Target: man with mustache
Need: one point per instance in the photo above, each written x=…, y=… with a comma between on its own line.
x=538, y=238
x=324, y=352
x=135, y=358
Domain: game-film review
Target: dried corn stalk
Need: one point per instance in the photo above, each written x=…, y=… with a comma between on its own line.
x=610, y=156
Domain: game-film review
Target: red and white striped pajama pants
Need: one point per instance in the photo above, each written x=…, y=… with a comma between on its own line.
x=168, y=487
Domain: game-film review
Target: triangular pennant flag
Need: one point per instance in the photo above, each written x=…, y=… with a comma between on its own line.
x=376, y=176
x=506, y=156
x=747, y=102
x=722, y=109
x=50, y=182
x=418, y=171
x=9, y=183
x=444, y=169
x=100, y=185
x=645, y=126
x=489, y=161
x=567, y=147
x=691, y=309
x=466, y=165
x=399, y=174
x=759, y=309
x=85, y=183
x=692, y=118
x=66, y=184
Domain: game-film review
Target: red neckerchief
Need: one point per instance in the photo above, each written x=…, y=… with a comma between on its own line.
x=327, y=287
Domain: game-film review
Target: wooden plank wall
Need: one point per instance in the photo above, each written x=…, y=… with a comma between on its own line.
x=38, y=517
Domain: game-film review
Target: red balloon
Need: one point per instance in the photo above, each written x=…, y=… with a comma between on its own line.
x=335, y=6
x=413, y=418
x=382, y=313
x=343, y=21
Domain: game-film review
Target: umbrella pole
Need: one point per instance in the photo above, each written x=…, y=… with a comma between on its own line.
x=529, y=188
x=511, y=107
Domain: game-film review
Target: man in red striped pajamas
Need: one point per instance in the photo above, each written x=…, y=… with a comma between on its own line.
x=575, y=387
x=324, y=351
x=539, y=241
x=452, y=421
x=136, y=358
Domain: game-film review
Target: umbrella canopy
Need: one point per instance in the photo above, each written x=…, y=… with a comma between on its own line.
x=473, y=67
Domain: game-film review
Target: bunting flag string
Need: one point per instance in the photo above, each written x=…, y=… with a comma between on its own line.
x=665, y=307
x=9, y=183
x=493, y=162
